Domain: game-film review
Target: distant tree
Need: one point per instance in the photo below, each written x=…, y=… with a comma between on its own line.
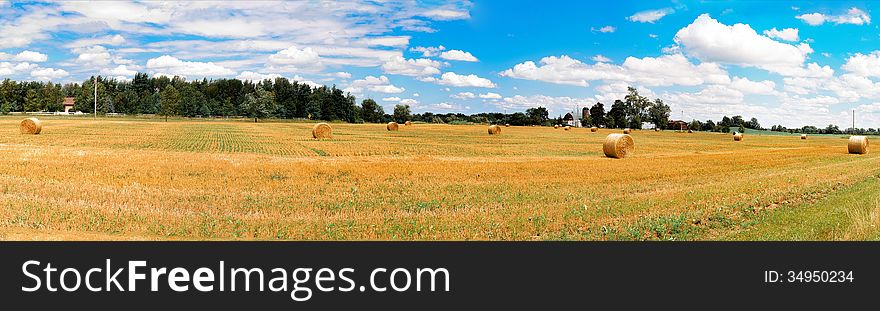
x=597, y=114
x=537, y=115
x=169, y=101
x=658, y=112
x=258, y=104
x=742, y=129
x=709, y=126
x=617, y=114
x=32, y=101
x=401, y=113
x=371, y=111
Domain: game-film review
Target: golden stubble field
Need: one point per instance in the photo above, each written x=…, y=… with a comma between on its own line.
x=147, y=179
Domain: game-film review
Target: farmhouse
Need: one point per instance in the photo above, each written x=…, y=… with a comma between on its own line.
x=571, y=120
x=677, y=125
x=69, y=103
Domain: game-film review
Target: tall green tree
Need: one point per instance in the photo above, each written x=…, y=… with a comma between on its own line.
x=401, y=113
x=597, y=114
x=258, y=104
x=169, y=102
x=371, y=111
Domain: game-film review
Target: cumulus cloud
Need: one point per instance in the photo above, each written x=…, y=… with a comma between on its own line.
x=119, y=71
x=854, y=16
x=457, y=80
x=297, y=58
x=31, y=56
x=391, y=99
x=739, y=44
x=555, y=105
x=463, y=95
x=787, y=34
x=599, y=58
x=411, y=67
x=650, y=16
x=48, y=74
x=255, y=76
x=765, y=87
x=379, y=84
x=342, y=74
x=172, y=66
x=604, y=29
x=665, y=70
x=458, y=55
x=409, y=101
x=429, y=51
x=867, y=65
x=490, y=95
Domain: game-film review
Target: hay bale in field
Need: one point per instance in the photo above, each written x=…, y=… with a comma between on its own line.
x=858, y=144
x=690, y=131
x=618, y=145
x=407, y=123
x=627, y=130
x=567, y=128
x=594, y=129
x=656, y=129
x=31, y=126
x=738, y=136
x=494, y=130
x=322, y=130
x=556, y=126
x=506, y=124
x=803, y=136
x=392, y=126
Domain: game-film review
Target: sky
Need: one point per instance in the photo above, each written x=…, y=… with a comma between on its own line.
x=788, y=63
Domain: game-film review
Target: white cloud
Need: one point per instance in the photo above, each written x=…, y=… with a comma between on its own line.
x=556, y=105
x=411, y=67
x=458, y=55
x=603, y=29
x=379, y=84
x=31, y=56
x=747, y=86
x=430, y=51
x=255, y=76
x=867, y=65
x=471, y=80
x=409, y=101
x=391, y=99
x=103, y=40
x=342, y=74
x=565, y=70
x=665, y=70
x=854, y=16
x=463, y=95
x=711, y=41
x=8, y=69
x=650, y=16
x=787, y=34
x=47, y=74
x=490, y=95
x=599, y=58
x=445, y=14
x=673, y=69
x=296, y=58
x=172, y=66
x=93, y=55
x=119, y=71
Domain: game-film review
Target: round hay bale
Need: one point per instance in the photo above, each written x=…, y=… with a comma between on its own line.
x=392, y=126
x=594, y=129
x=322, y=130
x=803, y=136
x=618, y=145
x=627, y=130
x=738, y=137
x=690, y=131
x=556, y=126
x=507, y=125
x=567, y=128
x=858, y=144
x=407, y=123
x=494, y=130
x=31, y=126
x=656, y=129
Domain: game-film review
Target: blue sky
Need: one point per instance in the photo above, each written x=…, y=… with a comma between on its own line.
x=790, y=63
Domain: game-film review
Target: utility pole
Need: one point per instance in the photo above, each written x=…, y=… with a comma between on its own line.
x=96, y=97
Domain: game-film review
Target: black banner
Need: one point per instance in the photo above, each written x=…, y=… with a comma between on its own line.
x=470, y=275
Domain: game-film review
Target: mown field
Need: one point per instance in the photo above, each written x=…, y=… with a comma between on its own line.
x=112, y=179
